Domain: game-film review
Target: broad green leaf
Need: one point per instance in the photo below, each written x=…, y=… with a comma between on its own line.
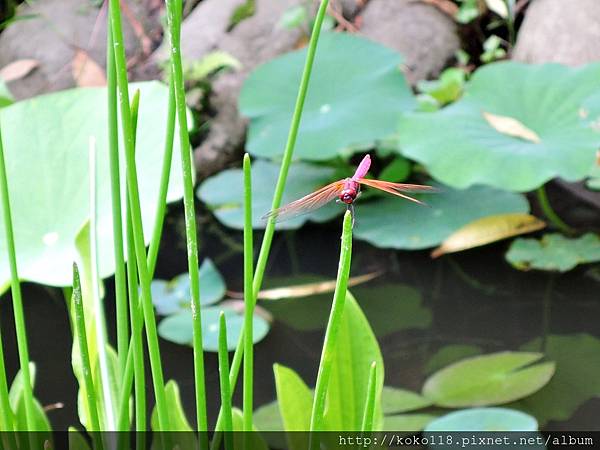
x=16, y=388
x=396, y=400
x=340, y=112
x=224, y=193
x=170, y=297
x=46, y=139
x=6, y=97
x=491, y=379
x=114, y=380
x=294, y=17
x=396, y=171
x=267, y=417
x=177, y=328
x=77, y=440
x=577, y=377
x=395, y=223
x=554, y=252
x=461, y=148
x=407, y=422
x=487, y=230
x=389, y=308
x=213, y=61
x=295, y=405
x=177, y=418
x=40, y=420
x=356, y=349
x=484, y=419
x=256, y=441
x=450, y=354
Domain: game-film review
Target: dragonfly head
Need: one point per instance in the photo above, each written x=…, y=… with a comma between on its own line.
x=348, y=196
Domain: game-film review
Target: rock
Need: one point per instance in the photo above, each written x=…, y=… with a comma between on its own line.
x=349, y=8
x=558, y=31
x=52, y=38
x=253, y=41
x=422, y=33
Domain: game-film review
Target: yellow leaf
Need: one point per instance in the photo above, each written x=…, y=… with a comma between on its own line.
x=511, y=127
x=86, y=72
x=306, y=290
x=488, y=229
x=18, y=69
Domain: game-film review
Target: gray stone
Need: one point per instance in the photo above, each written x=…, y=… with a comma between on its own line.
x=422, y=33
x=559, y=31
x=62, y=26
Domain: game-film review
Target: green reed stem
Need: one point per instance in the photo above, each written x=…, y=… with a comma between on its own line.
x=224, y=382
x=331, y=333
x=133, y=190
x=86, y=367
x=17, y=299
x=550, y=213
x=164, y=181
x=6, y=414
x=174, y=8
x=265, y=248
x=369, y=411
x=117, y=222
x=248, y=298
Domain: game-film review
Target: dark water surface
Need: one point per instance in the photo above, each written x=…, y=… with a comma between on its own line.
x=474, y=300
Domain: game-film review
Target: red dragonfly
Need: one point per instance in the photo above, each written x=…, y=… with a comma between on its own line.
x=346, y=191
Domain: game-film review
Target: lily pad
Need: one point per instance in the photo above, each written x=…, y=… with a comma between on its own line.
x=577, y=377
x=393, y=223
x=407, y=422
x=170, y=297
x=356, y=95
x=554, y=252
x=488, y=380
x=450, y=354
x=460, y=147
x=224, y=193
x=484, y=419
x=396, y=400
x=178, y=327
x=46, y=140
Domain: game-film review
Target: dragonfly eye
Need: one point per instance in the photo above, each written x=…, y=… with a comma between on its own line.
x=347, y=197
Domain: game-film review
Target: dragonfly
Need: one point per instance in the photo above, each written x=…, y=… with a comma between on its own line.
x=346, y=191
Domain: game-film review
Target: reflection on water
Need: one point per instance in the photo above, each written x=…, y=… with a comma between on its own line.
x=425, y=314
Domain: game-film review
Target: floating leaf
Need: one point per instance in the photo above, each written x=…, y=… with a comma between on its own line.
x=460, y=148
x=484, y=419
x=449, y=354
x=308, y=289
x=396, y=171
x=488, y=380
x=395, y=400
x=577, y=377
x=554, y=252
x=488, y=229
x=357, y=108
x=40, y=136
x=18, y=69
x=224, y=193
x=178, y=327
x=511, y=127
x=170, y=297
x=392, y=222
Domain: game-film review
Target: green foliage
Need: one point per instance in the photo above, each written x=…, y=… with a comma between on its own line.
x=448, y=88
x=170, y=297
x=449, y=354
x=544, y=99
x=396, y=400
x=294, y=17
x=577, y=377
x=407, y=422
x=179, y=423
x=467, y=12
x=488, y=380
x=41, y=136
x=394, y=223
x=492, y=49
x=554, y=252
x=357, y=109
x=484, y=419
x=199, y=70
x=6, y=97
x=177, y=328
x=224, y=193
x=242, y=12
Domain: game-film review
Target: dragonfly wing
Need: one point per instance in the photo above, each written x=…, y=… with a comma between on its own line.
x=306, y=204
x=398, y=189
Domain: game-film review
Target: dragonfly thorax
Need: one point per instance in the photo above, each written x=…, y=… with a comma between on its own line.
x=349, y=191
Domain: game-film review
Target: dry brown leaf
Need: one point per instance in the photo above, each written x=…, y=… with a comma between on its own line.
x=18, y=69
x=305, y=290
x=488, y=229
x=511, y=127
x=86, y=72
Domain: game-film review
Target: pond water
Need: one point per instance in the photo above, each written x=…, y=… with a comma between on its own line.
x=474, y=302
